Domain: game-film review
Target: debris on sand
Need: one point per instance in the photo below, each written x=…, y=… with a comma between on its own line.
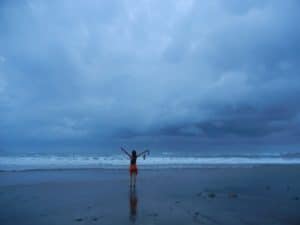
x=232, y=195
x=211, y=195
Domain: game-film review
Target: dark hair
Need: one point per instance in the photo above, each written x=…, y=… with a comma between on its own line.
x=133, y=153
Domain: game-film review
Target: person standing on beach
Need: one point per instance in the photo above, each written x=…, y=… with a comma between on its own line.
x=133, y=170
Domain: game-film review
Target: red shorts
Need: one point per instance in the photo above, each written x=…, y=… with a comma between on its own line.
x=133, y=169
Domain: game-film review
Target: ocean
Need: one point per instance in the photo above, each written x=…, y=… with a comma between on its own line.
x=164, y=160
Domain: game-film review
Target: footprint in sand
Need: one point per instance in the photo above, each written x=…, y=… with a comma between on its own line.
x=78, y=219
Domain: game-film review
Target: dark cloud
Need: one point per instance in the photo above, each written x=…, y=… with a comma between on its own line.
x=188, y=73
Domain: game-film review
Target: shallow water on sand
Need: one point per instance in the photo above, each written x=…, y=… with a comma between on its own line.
x=260, y=195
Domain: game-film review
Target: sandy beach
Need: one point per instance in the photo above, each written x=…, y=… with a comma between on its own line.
x=259, y=195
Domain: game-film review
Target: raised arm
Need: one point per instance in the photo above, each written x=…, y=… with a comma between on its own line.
x=126, y=152
x=142, y=153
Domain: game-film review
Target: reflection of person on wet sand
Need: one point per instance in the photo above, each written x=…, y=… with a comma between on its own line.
x=133, y=170
x=133, y=200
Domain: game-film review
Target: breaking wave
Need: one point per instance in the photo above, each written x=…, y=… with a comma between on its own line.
x=49, y=162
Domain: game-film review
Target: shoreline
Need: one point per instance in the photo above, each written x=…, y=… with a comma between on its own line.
x=156, y=167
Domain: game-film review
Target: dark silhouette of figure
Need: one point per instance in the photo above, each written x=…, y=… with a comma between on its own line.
x=133, y=170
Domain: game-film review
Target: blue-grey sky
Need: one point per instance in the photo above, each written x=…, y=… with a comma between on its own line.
x=163, y=74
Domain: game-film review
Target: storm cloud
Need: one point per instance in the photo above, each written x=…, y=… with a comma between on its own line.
x=175, y=73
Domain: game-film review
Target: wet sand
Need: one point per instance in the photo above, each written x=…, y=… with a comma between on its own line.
x=260, y=195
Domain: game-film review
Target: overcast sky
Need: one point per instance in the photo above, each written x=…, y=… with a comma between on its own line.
x=162, y=74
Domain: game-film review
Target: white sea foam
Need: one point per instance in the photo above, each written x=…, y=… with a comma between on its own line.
x=8, y=163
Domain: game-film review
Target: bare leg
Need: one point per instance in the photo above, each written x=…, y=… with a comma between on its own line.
x=130, y=180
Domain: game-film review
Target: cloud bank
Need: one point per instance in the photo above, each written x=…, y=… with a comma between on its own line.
x=181, y=74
